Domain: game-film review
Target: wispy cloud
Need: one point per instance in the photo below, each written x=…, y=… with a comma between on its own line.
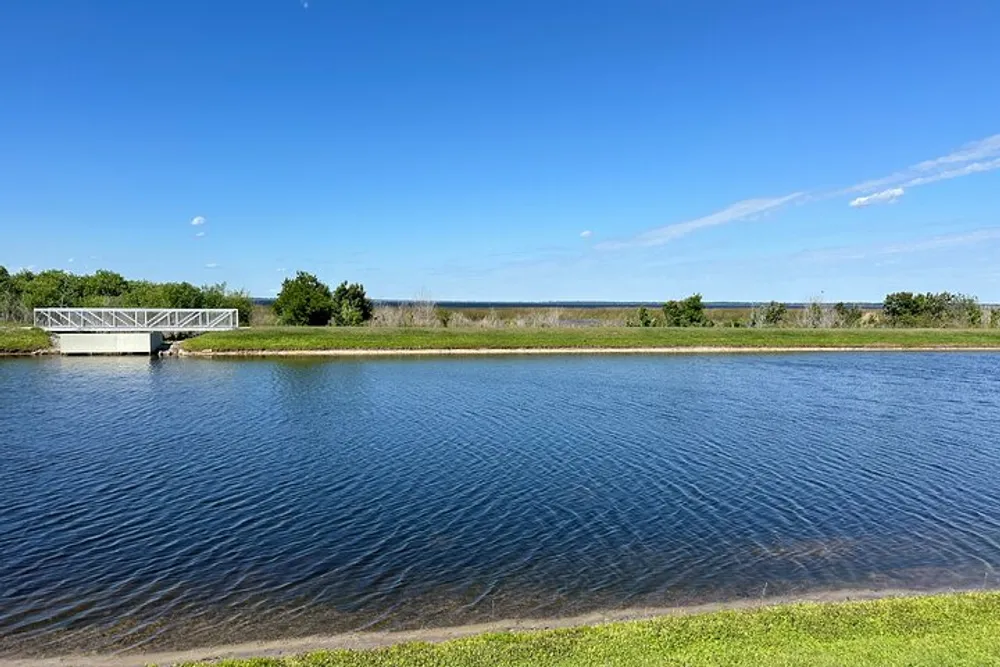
x=211, y=265
x=199, y=235
x=586, y=234
x=742, y=210
x=972, y=158
x=978, y=236
x=889, y=196
x=198, y=220
x=970, y=152
x=948, y=241
x=70, y=260
x=281, y=270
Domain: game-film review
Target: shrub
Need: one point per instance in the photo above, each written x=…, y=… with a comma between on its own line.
x=642, y=319
x=687, y=313
x=304, y=300
x=847, y=316
x=351, y=306
x=905, y=309
x=770, y=315
x=218, y=296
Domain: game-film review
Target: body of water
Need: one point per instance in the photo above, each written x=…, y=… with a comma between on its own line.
x=152, y=504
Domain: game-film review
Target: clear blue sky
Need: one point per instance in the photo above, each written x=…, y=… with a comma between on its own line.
x=511, y=150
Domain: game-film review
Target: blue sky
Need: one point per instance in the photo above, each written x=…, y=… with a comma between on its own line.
x=513, y=150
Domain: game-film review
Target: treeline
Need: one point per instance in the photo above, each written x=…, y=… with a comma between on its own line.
x=22, y=292
x=899, y=309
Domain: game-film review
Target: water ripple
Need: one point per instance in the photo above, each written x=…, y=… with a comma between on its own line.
x=151, y=504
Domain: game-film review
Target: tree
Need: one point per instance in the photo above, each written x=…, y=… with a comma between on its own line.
x=687, y=313
x=351, y=306
x=52, y=289
x=104, y=284
x=304, y=300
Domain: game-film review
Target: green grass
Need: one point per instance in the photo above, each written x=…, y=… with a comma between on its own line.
x=956, y=629
x=23, y=341
x=376, y=338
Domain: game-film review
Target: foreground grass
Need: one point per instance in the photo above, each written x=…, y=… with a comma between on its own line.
x=376, y=338
x=957, y=629
x=22, y=341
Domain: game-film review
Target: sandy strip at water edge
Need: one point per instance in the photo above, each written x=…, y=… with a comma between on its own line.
x=491, y=351
x=370, y=640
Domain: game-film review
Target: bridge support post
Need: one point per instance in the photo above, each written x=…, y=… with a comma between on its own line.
x=109, y=343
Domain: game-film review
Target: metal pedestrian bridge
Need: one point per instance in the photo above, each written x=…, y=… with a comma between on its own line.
x=137, y=320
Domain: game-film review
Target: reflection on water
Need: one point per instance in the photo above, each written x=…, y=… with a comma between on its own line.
x=154, y=504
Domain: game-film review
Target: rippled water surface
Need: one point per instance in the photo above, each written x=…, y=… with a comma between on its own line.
x=160, y=504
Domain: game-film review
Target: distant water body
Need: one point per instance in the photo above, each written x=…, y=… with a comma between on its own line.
x=148, y=504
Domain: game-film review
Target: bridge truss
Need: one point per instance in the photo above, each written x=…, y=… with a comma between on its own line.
x=136, y=319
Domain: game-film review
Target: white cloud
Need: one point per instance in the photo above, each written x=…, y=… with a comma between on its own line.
x=199, y=234
x=974, y=168
x=211, y=265
x=972, y=158
x=198, y=220
x=890, y=196
x=742, y=210
x=586, y=234
x=71, y=260
x=282, y=270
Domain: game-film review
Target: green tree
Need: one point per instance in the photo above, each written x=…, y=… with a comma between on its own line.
x=900, y=308
x=182, y=295
x=104, y=284
x=689, y=312
x=52, y=289
x=351, y=306
x=10, y=300
x=304, y=300
x=144, y=294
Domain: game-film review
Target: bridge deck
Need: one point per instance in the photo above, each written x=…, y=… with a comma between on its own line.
x=136, y=319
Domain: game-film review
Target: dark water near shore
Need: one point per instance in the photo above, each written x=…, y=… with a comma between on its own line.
x=165, y=504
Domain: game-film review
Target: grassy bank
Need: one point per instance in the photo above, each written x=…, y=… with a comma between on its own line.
x=23, y=341
x=278, y=339
x=957, y=629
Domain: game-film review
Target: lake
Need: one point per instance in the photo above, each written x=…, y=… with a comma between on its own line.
x=153, y=504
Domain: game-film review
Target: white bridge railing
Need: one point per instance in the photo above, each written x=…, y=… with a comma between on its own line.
x=136, y=319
